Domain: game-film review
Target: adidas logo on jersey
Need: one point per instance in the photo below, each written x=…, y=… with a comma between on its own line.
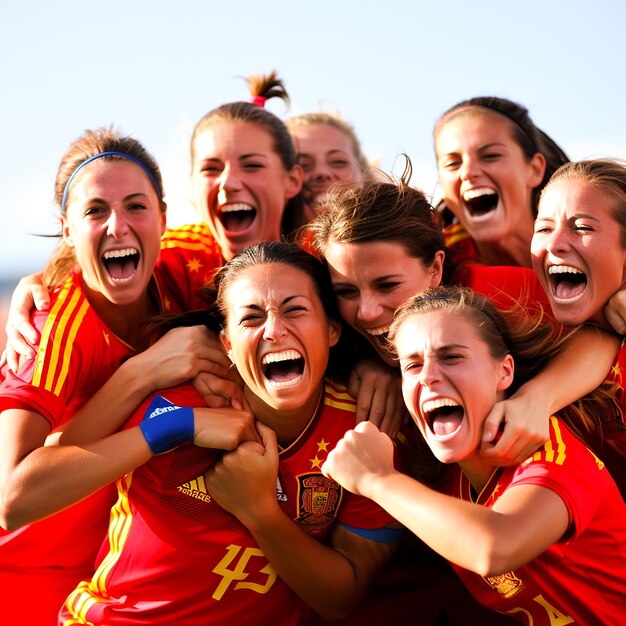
x=195, y=489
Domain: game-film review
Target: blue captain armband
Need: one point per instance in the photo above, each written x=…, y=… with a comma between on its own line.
x=165, y=425
x=380, y=535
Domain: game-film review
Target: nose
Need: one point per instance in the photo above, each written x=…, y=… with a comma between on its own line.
x=369, y=308
x=430, y=373
x=274, y=329
x=321, y=172
x=117, y=226
x=469, y=168
x=557, y=241
x=229, y=182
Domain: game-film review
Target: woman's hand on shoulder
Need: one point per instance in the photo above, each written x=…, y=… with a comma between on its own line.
x=378, y=391
x=30, y=294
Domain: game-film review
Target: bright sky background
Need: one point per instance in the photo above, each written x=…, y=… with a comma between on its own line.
x=391, y=67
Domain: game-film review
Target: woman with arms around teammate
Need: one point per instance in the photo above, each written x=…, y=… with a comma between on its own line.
x=542, y=541
x=383, y=243
x=104, y=288
x=246, y=185
x=202, y=536
x=579, y=256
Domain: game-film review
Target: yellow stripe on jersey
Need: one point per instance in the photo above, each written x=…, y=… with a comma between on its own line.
x=88, y=593
x=553, y=451
x=47, y=329
x=338, y=397
x=46, y=370
x=67, y=353
x=454, y=234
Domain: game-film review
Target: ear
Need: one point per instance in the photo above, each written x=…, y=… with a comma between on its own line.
x=65, y=231
x=334, y=332
x=295, y=180
x=226, y=343
x=537, y=170
x=163, y=219
x=507, y=372
x=437, y=269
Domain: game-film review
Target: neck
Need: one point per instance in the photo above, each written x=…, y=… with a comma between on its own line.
x=126, y=321
x=478, y=471
x=511, y=250
x=514, y=250
x=287, y=424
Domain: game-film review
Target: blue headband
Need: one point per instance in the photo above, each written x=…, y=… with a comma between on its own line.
x=102, y=154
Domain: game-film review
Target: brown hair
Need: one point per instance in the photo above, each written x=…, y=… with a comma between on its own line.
x=608, y=176
x=529, y=340
x=265, y=86
x=529, y=137
x=381, y=211
x=89, y=144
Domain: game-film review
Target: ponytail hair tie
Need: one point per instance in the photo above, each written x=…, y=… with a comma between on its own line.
x=258, y=100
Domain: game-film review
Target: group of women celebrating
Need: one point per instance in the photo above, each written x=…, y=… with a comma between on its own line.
x=329, y=401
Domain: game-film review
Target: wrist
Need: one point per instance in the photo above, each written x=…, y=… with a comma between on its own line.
x=166, y=425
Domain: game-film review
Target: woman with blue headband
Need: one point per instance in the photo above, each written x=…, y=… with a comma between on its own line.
x=104, y=287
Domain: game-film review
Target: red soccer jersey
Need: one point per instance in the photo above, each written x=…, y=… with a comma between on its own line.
x=193, y=254
x=40, y=563
x=506, y=286
x=175, y=557
x=581, y=579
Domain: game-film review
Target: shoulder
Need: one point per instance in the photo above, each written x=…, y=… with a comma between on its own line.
x=337, y=396
x=190, y=236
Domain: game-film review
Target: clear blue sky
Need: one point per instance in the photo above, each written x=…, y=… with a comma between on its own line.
x=390, y=67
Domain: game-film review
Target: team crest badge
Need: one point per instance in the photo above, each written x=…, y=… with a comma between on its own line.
x=507, y=585
x=318, y=499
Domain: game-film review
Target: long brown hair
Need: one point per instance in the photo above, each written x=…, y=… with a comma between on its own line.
x=528, y=339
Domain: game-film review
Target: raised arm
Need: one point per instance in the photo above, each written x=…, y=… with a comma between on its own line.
x=180, y=355
x=51, y=478
x=517, y=426
x=523, y=524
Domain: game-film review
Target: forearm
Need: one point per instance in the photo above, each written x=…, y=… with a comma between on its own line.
x=581, y=366
x=464, y=533
x=320, y=575
x=121, y=395
x=52, y=478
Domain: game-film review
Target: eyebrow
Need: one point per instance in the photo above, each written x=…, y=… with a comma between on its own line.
x=253, y=155
x=130, y=196
x=288, y=299
x=442, y=349
x=571, y=218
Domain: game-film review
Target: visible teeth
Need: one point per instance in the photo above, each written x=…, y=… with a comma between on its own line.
x=377, y=331
x=240, y=206
x=286, y=355
x=470, y=194
x=563, y=269
x=116, y=254
x=431, y=405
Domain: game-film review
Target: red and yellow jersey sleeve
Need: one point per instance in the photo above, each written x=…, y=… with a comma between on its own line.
x=77, y=353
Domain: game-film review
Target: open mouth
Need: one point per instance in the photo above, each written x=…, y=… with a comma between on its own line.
x=236, y=217
x=444, y=416
x=480, y=202
x=567, y=283
x=121, y=265
x=283, y=369
x=379, y=335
